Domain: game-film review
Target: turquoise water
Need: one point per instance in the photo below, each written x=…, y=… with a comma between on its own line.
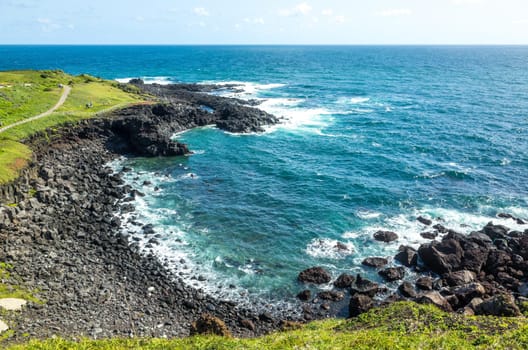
x=372, y=138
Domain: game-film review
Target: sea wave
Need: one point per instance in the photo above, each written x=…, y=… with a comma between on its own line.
x=150, y=80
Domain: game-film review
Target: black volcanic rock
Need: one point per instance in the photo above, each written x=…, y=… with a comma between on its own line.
x=375, y=262
x=316, y=275
x=385, y=236
x=392, y=273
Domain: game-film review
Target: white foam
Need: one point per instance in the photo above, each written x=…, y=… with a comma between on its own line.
x=367, y=214
x=329, y=248
x=358, y=100
x=149, y=80
x=249, y=89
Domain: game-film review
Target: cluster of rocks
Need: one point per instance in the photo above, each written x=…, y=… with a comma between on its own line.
x=483, y=273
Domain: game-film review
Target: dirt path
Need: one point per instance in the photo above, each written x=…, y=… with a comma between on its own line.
x=62, y=99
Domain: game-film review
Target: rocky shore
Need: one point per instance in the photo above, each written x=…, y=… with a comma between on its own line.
x=61, y=231
x=63, y=239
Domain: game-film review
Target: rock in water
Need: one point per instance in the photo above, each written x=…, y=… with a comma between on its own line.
x=385, y=236
x=316, y=275
x=209, y=324
x=392, y=273
x=375, y=262
x=344, y=281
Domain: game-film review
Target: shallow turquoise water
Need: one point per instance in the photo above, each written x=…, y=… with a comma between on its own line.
x=372, y=138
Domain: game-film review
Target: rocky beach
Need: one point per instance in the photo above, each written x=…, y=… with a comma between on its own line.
x=64, y=240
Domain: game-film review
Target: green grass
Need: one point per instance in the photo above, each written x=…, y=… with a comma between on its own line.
x=14, y=156
x=25, y=94
x=402, y=325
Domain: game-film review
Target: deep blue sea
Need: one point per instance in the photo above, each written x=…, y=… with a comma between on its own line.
x=372, y=138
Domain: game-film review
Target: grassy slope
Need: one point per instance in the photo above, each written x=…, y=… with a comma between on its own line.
x=29, y=93
x=399, y=326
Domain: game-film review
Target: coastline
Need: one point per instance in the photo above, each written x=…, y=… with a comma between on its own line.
x=64, y=240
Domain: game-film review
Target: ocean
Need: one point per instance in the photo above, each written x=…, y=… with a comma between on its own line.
x=371, y=139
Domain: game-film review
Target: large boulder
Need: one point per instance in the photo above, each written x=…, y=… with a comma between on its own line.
x=468, y=292
x=344, y=281
x=499, y=305
x=331, y=295
x=392, y=273
x=315, y=275
x=359, y=303
x=209, y=324
x=435, y=298
x=442, y=257
x=407, y=290
x=461, y=277
x=408, y=256
x=385, y=236
x=424, y=283
x=365, y=286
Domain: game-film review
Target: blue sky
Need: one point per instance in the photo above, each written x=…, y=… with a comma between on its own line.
x=264, y=22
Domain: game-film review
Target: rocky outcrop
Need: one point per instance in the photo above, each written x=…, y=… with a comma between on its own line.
x=375, y=262
x=315, y=275
x=385, y=236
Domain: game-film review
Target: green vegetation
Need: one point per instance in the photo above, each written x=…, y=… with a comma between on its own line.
x=25, y=94
x=13, y=157
x=402, y=325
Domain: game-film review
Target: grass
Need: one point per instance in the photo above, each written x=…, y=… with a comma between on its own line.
x=24, y=94
x=14, y=156
x=13, y=291
x=403, y=325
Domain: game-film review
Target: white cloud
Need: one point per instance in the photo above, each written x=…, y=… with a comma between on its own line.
x=327, y=12
x=48, y=25
x=302, y=8
x=258, y=20
x=395, y=13
x=140, y=19
x=201, y=11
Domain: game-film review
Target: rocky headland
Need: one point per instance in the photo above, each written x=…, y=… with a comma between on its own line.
x=64, y=240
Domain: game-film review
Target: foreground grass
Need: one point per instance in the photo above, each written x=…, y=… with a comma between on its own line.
x=402, y=325
x=24, y=94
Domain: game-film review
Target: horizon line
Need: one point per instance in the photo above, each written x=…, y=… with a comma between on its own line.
x=161, y=44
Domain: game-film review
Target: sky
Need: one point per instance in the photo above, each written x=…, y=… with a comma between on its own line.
x=351, y=22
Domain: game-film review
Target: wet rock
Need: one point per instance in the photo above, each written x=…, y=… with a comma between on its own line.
x=331, y=295
x=408, y=256
x=208, y=324
x=495, y=231
x=375, y=262
x=424, y=221
x=315, y=275
x=359, y=303
x=392, y=273
x=429, y=235
x=385, y=236
x=344, y=281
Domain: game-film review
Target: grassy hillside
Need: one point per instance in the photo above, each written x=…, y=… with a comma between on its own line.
x=24, y=94
x=403, y=325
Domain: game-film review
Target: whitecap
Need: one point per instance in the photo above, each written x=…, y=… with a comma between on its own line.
x=329, y=248
x=149, y=80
